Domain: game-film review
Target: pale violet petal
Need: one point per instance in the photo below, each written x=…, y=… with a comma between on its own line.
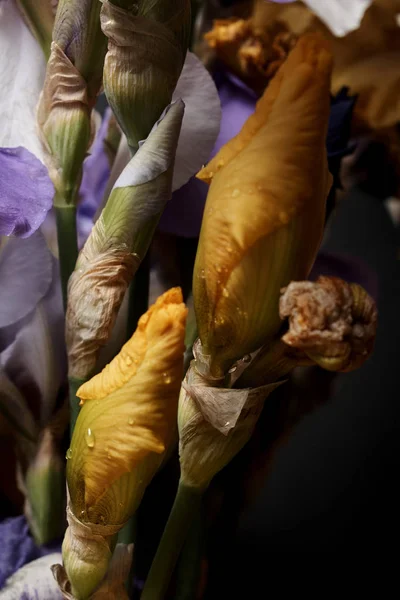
x=36, y=358
x=26, y=273
x=34, y=581
x=201, y=123
x=154, y=156
x=22, y=72
x=340, y=16
x=26, y=192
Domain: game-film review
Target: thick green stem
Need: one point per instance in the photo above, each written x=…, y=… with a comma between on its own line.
x=67, y=244
x=189, y=566
x=186, y=506
x=74, y=385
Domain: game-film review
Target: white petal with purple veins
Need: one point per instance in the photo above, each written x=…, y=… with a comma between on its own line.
x=34, y=581
x=22, y=71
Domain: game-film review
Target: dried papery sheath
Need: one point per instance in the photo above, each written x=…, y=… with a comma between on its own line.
x=146, y=51
x=267, y=195
x=118, y=242
x=333, y=322
x=214, y=424
x=136, y=398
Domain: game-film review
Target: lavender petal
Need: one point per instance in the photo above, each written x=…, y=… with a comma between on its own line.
x=26, y=192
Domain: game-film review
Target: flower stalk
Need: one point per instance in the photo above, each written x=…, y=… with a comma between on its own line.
x=73, y=80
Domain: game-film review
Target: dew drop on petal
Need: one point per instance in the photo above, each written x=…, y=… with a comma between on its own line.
x=128, y=360
x=130, y=421
x=89, y=438
x=246, y=359
x=225, y=293
x=232, y=369
x=69, y=454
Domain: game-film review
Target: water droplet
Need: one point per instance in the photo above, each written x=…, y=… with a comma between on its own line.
x=229, y=249
x=225, y=293
x=227, y=424
x=69, y=454
x=167, y=378
x=220, y=164
x=82, y=514
x=202, y=274
x=246, y=359
x=235, y=193
x=131, y=421
x=89, y=438
x=128, y=360
x=232, y=369
x=219, y=270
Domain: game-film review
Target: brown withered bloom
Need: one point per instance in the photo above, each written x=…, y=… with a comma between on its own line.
x=332, y=321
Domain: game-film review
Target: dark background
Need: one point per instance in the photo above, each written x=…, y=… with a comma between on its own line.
x=333, y=486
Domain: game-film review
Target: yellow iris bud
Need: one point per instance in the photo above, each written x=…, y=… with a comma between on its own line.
x=264, y=215
x=127, y=421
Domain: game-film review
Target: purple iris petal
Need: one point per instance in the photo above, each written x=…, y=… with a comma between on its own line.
x=96, y=172
x=26, y=272
x=18, y=547
x=26, y=192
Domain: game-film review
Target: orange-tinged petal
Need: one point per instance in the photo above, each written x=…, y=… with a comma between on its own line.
x=264, y=215
x=130, y=408
x=311, y=50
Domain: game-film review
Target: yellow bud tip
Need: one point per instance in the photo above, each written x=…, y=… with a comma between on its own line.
x=135, y=397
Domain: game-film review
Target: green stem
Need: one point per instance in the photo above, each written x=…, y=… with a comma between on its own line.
x=74, y=385
x=189, y=565
x=187, y=503
x=67, y=244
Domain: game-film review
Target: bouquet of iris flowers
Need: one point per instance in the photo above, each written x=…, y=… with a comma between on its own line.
x=111, y=368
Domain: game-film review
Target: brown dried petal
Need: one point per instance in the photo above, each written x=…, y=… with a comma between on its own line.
x=332, y=321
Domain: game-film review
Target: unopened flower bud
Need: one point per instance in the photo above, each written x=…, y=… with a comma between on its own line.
x=146, y=51
x=264, y=215
x=135, y=397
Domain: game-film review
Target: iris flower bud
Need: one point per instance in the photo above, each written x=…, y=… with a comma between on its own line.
x=127, y=421
x=264, y=215
x=73, y=80
x=146, y=51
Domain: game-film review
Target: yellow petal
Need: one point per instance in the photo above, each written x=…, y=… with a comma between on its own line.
x=130, y=408
x=265, y=210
